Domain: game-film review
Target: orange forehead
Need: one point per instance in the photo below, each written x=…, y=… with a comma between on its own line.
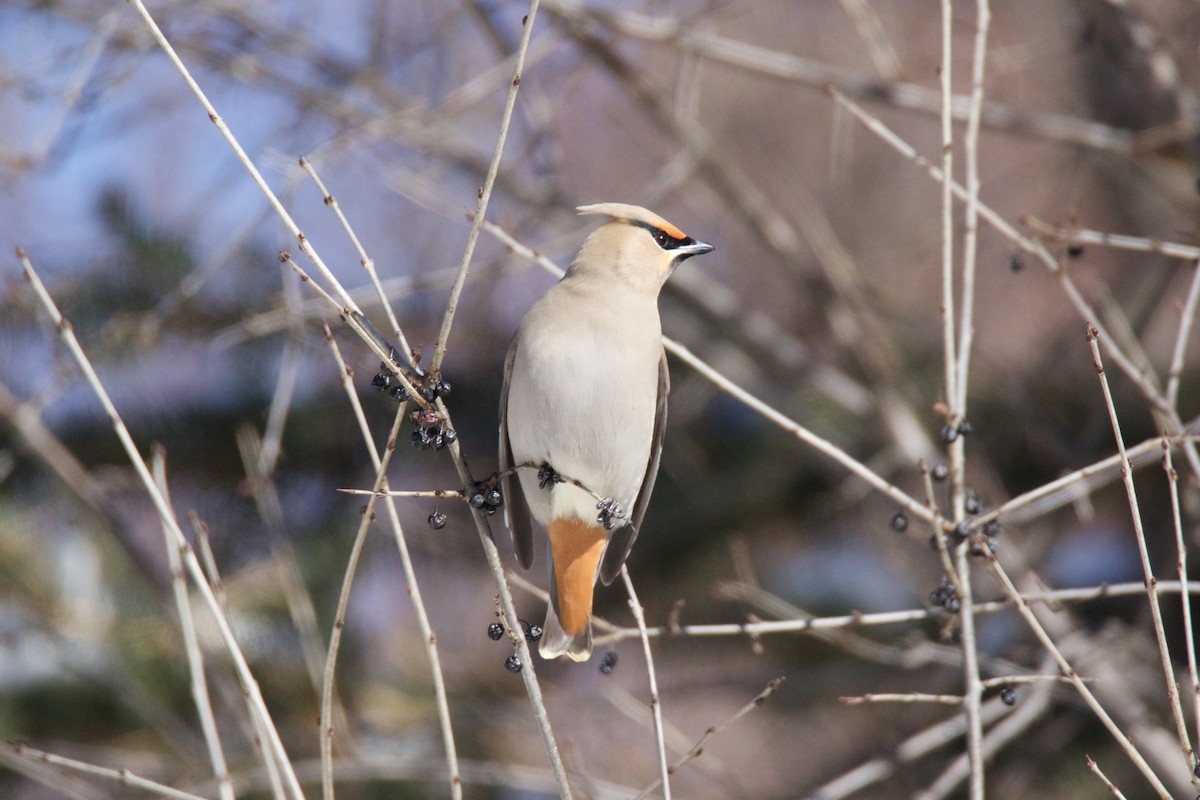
x=671, y=230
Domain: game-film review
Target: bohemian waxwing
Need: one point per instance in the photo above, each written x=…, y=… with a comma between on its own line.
x=584, y=404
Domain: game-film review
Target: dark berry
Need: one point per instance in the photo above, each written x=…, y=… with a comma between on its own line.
x=428, y=394
x=1008, y=696
x=952, y=604
x=941, y=472
x=513, y=663
x=441, y=388
x=477, y=500
x=974, y=504
x=899, y=522
x=962, y=530
x=533, y=633
x=494, y=498
x=451, y=435
x=381, y=381
x=1016, y=263
x=965, y=428
x=495, y=631
x=992, y=528
x=992, y=544
x=949, y=434
x=1074, y=250
x=608, y=663
x=437, y=520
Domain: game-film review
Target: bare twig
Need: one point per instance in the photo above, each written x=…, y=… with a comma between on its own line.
x=655, y=700
x=1022, y=606
x=485, y=192
x=367, y=262
x=1117, y=241
x=345, y=303
x=191, y=643
x=698, y=747
x=1147, y=571
x=122, y=776
x=911, y=749
x=380, y=463
x=254, y=697
x=1189, y=639
x=1094, y=767
x=1187, y=320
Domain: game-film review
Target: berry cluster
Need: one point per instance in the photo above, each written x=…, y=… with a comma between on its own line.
x=385, y=381
x=532, y=633
x=486, y=497
x=431, y=431
x=946, y=596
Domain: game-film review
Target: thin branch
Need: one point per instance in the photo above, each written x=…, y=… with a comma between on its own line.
x=1187, y=319
x=1094, y=767
x=1147, y=570
x=993, y=218
x=380, y=463
x=907, y=697
x=971, y=211
x=1189, y=640
x=485, y=192
x=191, y=643
x=798, y=69
x=122, y=776
x=254, y=698
x=655, y=700
x=1117, y=241
x=911, y=749
x=1007, y=729
x=973, y=690
x=1022, y=606
x=511, y=619
x=859, y=619
x=367, y=262
x=700, y=744
x=947, y=307
x=346, y=304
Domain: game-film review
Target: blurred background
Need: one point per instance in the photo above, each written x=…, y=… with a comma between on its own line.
x=822, y=299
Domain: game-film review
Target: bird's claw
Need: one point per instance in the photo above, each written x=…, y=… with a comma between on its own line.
x=547, y=477
x=610, y=512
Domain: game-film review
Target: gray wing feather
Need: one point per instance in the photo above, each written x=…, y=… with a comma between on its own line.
x=621, y=541
x=516, y=510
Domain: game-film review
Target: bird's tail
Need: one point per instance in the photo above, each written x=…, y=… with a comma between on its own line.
x=575, y=550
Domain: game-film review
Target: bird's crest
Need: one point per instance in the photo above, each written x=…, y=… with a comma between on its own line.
x=634, y=214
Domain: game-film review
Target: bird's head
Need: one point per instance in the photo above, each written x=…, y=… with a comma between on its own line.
x=635, y=245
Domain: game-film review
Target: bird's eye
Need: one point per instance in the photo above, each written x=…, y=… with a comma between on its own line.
x=662, y=238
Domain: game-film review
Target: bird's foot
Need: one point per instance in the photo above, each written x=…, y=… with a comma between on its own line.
x=610, y=513
x=547, y=477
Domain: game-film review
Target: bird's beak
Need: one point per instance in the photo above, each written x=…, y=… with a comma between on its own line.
x=693, y=249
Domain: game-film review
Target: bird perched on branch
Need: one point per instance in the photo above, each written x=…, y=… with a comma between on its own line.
x=583, y=410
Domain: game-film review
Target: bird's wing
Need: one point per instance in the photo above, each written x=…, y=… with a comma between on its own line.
x=621, y=541
x=516, y=510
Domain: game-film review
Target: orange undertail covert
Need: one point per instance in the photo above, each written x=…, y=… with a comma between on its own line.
x=576, y=546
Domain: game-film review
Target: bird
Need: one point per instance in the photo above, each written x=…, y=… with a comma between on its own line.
x=583, y=409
